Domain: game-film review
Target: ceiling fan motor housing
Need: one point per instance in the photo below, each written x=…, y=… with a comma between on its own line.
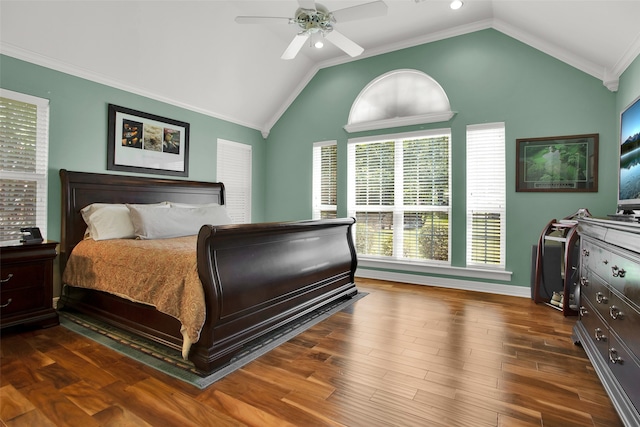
x=315, y=20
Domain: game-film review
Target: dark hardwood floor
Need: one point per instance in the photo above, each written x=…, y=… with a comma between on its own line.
x=405, y=355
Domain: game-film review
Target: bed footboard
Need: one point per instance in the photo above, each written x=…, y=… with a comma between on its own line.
x=258, y=277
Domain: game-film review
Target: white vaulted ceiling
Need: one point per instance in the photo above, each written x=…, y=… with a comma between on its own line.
x=193, y=54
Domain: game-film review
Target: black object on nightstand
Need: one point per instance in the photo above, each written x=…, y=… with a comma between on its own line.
x=26, y=284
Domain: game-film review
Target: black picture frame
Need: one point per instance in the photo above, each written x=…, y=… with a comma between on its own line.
x=557, y=164
x=145, y=143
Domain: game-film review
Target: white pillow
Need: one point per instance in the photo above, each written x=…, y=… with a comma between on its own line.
x=111, y=220
x=151, y=223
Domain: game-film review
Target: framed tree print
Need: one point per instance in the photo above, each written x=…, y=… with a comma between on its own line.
x=558, y=163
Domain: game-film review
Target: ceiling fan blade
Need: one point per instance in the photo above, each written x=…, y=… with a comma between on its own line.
x=261, y=20
x=363, y=11
x=307, y=4
x=344, y=43
x=295, y=46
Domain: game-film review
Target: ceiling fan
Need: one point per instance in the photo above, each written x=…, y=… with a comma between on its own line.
x=314, y=18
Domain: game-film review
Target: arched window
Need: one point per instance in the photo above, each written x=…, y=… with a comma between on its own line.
x=399, y=98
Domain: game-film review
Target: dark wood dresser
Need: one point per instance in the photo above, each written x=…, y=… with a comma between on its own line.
x=609, y=323
x=26, y=284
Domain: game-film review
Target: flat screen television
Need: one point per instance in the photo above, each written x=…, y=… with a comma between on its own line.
x=629, y=172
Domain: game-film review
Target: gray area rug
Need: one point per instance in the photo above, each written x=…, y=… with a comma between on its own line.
x=170, y=361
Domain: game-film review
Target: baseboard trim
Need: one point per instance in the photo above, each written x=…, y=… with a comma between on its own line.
x=443, y=282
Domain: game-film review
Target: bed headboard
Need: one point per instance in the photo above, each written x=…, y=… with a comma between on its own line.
x=80, y=189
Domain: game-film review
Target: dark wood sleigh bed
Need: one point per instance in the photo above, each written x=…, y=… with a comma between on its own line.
x=255, y=277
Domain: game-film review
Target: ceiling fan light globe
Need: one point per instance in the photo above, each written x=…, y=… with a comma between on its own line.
x=456, y=4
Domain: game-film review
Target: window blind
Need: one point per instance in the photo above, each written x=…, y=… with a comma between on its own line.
x=325, y=180
x=234, y=171
x=24, y=149
x=398, y=190
x=486, y=195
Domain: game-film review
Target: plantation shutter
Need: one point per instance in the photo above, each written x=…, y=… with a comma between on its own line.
x=425, y=192
x=325, y=184
x=234, y=171
x=374, y=177
x=371, y=195
x=24, y=150
x=486, y=195
x=426, y=171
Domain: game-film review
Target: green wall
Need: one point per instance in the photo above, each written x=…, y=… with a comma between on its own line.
x=78, y=130
x=488, y=77
x=629, y=88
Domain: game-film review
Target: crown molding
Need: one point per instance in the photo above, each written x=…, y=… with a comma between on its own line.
x=632, y=52
x=56, y=65
x=368, y=53
x=266, y=128
x=609, y=78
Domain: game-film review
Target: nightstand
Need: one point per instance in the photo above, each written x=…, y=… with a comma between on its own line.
x=26, y=284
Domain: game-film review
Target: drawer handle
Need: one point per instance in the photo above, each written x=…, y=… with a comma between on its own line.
x=598, y=335
x=7, y=279
x=585, y=252
x=617, y=272
x=584, y=281
x=600, y=298
x=613, y=356
x=7, y=304
x=583, y=311
x=615, y=313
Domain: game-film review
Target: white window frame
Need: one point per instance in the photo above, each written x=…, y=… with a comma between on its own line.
x=233, y=168
x=317, y=206
x=398, y=208
x=486, y=188
x=40, y=175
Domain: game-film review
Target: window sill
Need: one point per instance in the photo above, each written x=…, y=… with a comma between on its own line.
x=399, y=121
x=444, y=269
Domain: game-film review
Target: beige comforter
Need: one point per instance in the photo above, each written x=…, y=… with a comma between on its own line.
x=162, y=273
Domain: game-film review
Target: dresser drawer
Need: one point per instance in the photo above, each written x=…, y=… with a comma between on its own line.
x=18, y=300
x=625, y=320
x=625, y=368
x=620, y=269
x=21, y=275
x=596, y=328
x=609, y=324
x=595, y=291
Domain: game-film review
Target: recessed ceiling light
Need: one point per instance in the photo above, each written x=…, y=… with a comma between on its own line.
x=456, y=4
x=319, y=44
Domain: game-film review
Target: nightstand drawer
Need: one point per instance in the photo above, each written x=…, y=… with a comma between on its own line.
x=22, y=275
x=18, y=300
x=26, y=284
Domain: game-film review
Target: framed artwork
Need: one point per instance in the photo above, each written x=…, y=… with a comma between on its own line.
x=557, y=163
x=145, y=143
